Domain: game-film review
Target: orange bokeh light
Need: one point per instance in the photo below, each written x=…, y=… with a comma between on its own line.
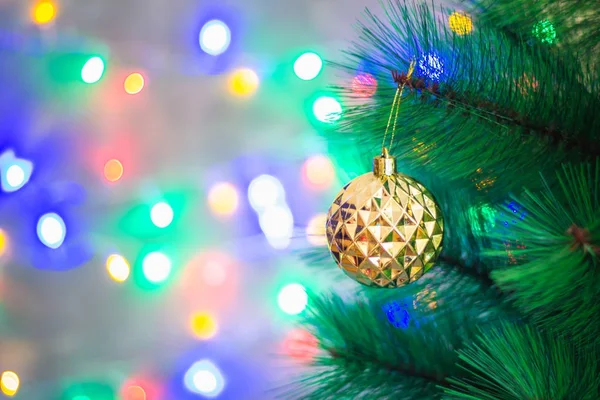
x=134, y=393
x=113, y=170
x=318, y=172
x=138, y=388
x=134, y=83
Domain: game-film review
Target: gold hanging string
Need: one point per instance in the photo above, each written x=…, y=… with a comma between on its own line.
x=396, y=107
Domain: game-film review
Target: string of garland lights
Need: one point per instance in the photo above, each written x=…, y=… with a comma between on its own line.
x=54, y=226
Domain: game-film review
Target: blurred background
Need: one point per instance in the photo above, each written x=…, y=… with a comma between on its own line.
x=162, y=166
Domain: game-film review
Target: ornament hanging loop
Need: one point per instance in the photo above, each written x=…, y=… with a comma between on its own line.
x=396, y=107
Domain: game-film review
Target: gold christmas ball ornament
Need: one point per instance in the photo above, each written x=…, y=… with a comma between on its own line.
x=384, y=229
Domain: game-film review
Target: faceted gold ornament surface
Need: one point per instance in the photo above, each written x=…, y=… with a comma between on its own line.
x=384, y=229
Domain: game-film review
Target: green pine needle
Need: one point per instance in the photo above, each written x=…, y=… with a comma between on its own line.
x=559, y=283
x=365, y=356
x=520, y=363
x=499, y=106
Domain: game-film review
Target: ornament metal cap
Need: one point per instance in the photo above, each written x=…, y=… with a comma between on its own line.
x=384, y=165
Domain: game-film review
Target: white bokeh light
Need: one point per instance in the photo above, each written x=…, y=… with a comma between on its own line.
x=14, y=172
x=161, y=214
x=265, y=191
x=327, y=109
x=15, y=176
x=204, y=378
x=215, y=37
x=93, y=70
x=277, y=223
x=308, y=66
x=156, y=267
x=292, y=299
x=51, y=230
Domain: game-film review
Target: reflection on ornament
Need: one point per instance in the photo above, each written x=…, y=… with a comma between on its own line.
x=364, y=85
x=397, y=314
x=544, y=31
x=384, y=229
x=460, y=23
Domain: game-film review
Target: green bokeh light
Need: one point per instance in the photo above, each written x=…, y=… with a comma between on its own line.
x=89, y=391
x=545, y=32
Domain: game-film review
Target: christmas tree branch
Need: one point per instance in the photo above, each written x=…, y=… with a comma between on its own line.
x=438, y=94
x=557, y=281
x=515, y=362
x=395, y=339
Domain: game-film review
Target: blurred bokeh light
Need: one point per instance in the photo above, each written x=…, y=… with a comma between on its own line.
x=51, y=230
x=43, y=12
x=134, y=83
x=292, y=299
x=243, y=82
x=118, y=268
x=318, y=172
x=93, y=70
x=223, y=199
x=308, y=66
x=9, y=383
x=215, y=37
x=113, y=170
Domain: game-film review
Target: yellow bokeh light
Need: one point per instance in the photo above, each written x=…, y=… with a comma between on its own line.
x=44, y=12
x=118, y=268
x=203, y=325
x=3, y=243
x=9, y=383
x=319, y=172
x=134, y=83
x=315, y=231
x=223, y=199
x=243, y=82
x=113, y=170
x=460, y=23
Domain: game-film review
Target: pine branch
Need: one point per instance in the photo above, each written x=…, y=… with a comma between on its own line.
x=438, y=94
x=516, y=362
x=558, y=280
x=575, y=23
x=394, y=343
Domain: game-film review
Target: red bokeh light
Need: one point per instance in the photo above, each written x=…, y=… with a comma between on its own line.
x=364, y=85
x=210, y=281
x=301, y=345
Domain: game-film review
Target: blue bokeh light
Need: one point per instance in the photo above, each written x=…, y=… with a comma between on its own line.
x=397, y=314
x=431, y=66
